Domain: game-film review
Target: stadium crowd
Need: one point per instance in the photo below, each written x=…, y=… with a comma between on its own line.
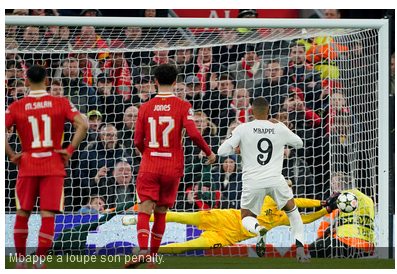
x=108, y=73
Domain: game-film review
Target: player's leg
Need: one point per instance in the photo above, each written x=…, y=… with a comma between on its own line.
x=26, y=192
x=51, y=202
x=167, y=196
x=251, y=206
x=199, y=243
x=297, y=229
x=187, y=218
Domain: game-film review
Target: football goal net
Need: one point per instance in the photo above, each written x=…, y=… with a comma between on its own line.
x=327, y=80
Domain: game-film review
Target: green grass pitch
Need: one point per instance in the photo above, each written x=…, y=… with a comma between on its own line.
x=173, y=262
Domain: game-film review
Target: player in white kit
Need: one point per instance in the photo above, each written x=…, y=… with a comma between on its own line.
x=261, y=145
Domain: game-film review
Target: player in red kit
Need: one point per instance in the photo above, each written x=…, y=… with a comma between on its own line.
x=39, y=119
x=158, y=136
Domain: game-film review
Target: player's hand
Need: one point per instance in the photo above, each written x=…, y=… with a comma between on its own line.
x=16, y=158
x=274, y=121
x=211, y=159
x=65, y=155
x=237, y=150
x=330, y=203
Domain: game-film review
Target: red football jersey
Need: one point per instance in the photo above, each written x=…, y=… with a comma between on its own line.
x=40, y=121
x=158, y=134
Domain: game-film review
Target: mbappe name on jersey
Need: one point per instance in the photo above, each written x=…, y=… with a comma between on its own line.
x=258, y=130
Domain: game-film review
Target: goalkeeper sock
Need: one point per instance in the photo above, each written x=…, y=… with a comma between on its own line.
x=46, y=235
x=250, y=223
x=143, y=230
x=296, y=224
x=157, y=233
x=20, y=235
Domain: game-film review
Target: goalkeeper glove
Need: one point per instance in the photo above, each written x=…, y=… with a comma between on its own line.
x=330, y=203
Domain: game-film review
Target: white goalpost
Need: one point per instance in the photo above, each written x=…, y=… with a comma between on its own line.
x=352, y=138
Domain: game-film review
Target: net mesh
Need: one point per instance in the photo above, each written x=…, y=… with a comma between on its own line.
x=322, y=83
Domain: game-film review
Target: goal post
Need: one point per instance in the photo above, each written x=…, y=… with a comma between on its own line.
x=292, y=30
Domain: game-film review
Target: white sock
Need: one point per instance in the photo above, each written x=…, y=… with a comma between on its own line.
x=250, y=223
x=296, y=224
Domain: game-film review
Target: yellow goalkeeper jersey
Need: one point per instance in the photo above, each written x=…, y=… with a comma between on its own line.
x=359, y=223
x=228, y=221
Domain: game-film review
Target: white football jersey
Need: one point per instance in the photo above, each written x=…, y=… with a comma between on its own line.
x=262, y=149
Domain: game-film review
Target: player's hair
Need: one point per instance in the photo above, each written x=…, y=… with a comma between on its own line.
x=36, y=74
x=166, y=74
x=260, y=105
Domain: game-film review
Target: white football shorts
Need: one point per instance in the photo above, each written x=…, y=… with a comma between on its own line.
x=252, y=199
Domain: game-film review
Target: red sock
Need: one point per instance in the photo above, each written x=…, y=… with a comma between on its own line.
x=46, y=234
x=157, y=232
x=21, y=234
x=143, y=230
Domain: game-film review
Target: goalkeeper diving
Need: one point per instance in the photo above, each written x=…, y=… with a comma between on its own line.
x=223, y=227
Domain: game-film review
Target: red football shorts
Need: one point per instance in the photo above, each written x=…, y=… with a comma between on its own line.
x=49, y=189
x=158, y=188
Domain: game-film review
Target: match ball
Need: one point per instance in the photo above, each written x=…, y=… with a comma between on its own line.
x=347, y=202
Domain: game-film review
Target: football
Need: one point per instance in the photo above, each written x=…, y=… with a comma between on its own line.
x=347, y=202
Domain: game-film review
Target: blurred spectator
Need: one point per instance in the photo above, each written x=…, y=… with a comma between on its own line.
x=247, y=13
x=160, y=52
x=180, y=90
x=297, y=170
x=79, y=93
x=56, y=37
x=249, y=71
x=207, y=68
x=56, y=88
x=102, y=153
x=393, y=73
x=221, y=97
x=11, y=47
x=202, y=196
x=183, y=59
x=239, y=109
x=116, y=189
x=359, y=69
x=18, y=91
x=134, y=38
x=20, y=12
x=304, y=121
x=332, y=14
x=43, y=12
x=30, y=40
x=228, y=53
x=126, y=136
x=303, y=75
x=193, y=92
x=89, y=67
x=282, y=116
x=89, y=39
x=230, y=182
x=94, y=125
x=274, y=86
x=209, y=132
x=143, y=92
x=91, y=13
x=95, y=206
x=120, y=70
x=113, y=107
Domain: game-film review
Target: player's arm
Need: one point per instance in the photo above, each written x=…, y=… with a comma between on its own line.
x=14, y=157
x=81, y=126
x=305, y=203
x=228, y=147
x=291, y=138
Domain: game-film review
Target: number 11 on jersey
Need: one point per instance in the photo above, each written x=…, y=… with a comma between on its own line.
x=165, y=134
x=47, y=142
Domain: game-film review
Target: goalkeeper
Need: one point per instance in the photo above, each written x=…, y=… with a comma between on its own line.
x=223, y=227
